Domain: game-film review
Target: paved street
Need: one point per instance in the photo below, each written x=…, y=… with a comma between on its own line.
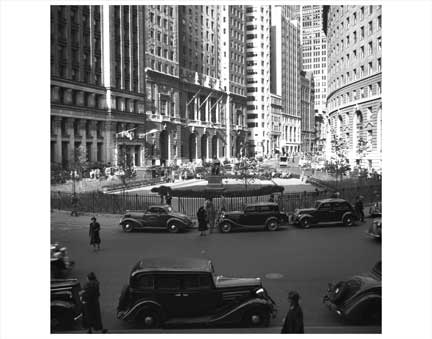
x=291, y=258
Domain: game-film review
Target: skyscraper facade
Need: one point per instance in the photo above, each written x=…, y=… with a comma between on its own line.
x=285, y=74
x=354, y=102
x=258, y=23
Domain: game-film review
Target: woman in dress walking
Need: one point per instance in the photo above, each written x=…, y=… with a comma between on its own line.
x=202, y=220
x=92, y=319
x=94, y=234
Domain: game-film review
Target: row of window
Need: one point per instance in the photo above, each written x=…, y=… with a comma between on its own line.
x=345, y=61
x=352, y=38
x=346, y=23
x=357, y=94
x=357, y=73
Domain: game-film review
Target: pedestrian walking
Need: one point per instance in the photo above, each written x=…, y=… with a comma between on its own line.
x=294, y=319
x=74, y=205
x=94, y=233
x=92, y=319
x=168, y=199
x=202, y=220
x=359, y=208
x=272, y=198
x=211, y=214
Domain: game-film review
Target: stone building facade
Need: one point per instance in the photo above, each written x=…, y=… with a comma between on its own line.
x=307, y=112
x=354, y=102
x=146, y=81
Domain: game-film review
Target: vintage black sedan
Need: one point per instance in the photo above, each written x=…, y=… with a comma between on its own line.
x=173, y=291
x=326, y=212
x=357, y=299
x=258, y=215
x=157, y=217
x=66, y=306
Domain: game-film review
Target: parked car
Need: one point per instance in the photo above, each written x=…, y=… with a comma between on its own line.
x=258, y=215
x=171, y=291
x=375, y=228
x=61, y=263
x=66, y=306
x=156, y=217
x=326, y=211
x=357, y=299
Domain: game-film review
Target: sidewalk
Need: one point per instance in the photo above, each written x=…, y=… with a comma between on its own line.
x=274, y=329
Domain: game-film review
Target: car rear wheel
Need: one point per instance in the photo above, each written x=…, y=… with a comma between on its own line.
x=305, y=223
x=225, y=227
x=272, y=225
x=348, y=220
x=173, y=227
x=256, y=318
x=128, y=227
x=148, y=318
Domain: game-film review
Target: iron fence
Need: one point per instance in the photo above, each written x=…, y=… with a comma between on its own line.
x=97, y=202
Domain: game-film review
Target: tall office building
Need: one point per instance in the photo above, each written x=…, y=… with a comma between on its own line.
x=285, y=74
x=258, y=23
x=97, y=82
x=314, y=59
x=354, y=103
x=307, y=112
x=153, y=73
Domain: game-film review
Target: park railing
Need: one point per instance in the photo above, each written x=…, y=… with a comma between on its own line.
x=97, y=202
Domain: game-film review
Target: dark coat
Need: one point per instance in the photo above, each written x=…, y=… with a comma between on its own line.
x=94, y=233
x=293, y=321
x=202, y=219
x=91, y=308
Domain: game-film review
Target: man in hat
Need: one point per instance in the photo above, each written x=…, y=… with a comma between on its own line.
x=359, y=208
x=92, y=314
x=294, y=318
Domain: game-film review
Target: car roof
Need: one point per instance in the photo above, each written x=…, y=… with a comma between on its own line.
x=332, y=200
x=171, y=264
x=262, y=203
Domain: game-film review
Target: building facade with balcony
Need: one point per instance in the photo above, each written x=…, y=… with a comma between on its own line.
x=147, y=69
x=285, y=74
x=307, y=112
x=354, y=102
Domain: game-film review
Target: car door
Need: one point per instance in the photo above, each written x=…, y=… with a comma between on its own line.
x=169, y=294
x=199, y=294
x=250, y=216
x=323, y=213
x=153, y=217
x=266, y=211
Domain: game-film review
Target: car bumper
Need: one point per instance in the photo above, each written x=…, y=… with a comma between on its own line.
x=332, y=307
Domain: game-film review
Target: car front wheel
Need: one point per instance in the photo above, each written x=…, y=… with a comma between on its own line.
x=272, y=225
x=173, y=227
x=305, y=223
x=348, y=220
x=128, y=227
x=225, y=227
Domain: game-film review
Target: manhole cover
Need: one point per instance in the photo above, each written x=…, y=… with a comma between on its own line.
x=274, y=276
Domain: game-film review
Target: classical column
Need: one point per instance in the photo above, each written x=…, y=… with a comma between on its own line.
x=71, y=145
x=93, y=137
x=195, y=107
x=82, y=132
x=109, y=142
x=228, y=127
x=207, y=111
x=58, y=144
